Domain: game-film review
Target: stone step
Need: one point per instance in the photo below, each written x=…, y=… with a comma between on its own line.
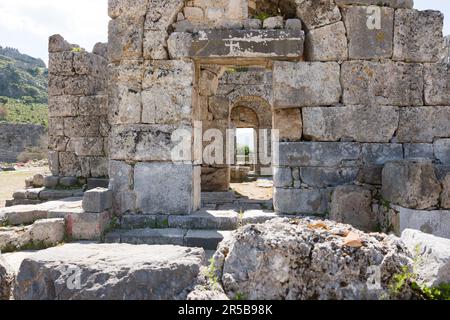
x=218, y=197
x=203, y=220
x=206, y=239
x=28, y=214
x=38, y=195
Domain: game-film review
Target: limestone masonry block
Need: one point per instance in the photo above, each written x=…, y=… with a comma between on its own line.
x=411, y=184
x=423, y=124
x=437, y=84
x=350, y=123
x=380, y=153
x=316, y=14
x=97, y=200
x=418, y=35
x=418, y=151
x=367, y=39
x=388, y=3
x=166, y=188
x=318, y=154
x=321, y=177
x=56, y=43
x=353, y=205
x=143, y=142
x=327, y=43
x=445, y=196
x=274, y=23
x=298, y=201
x=179, y=44
x=63, y=106
x=306, y=84
x=365, y=82
x=442, y=150
x=289, y=123
x=247, y=43
x=125, y=40
x=61, y=63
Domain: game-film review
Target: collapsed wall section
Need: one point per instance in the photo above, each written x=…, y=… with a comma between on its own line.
x=78, y=124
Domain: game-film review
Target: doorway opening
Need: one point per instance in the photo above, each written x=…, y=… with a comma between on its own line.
x=237, y=99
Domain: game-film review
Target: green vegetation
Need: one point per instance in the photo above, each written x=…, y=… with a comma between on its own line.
x=23, y=111
x=23, y=88
x=410, y=277
x=211, y=274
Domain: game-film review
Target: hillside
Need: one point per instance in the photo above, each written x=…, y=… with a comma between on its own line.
x=22, y=77
x=23, y=88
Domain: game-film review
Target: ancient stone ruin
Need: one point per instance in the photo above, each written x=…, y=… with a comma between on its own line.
x=350, y=98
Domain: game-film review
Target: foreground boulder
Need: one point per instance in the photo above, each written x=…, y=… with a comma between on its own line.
x=309, y=259
x=432, y=255
x=109, y=272
x=6, y=279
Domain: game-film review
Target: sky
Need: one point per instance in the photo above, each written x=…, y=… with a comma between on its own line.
x=27, y=24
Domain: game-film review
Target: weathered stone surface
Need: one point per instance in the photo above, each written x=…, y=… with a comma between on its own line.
x=215, y=179
x=166, y=188
x=370, y=174
x=289, y=123
x=179, y=44
x=389, y=3
x=434, y=256
x=442, y=150
x=273, y=23
x=327, y=177
x=357, y=123
x=435, y=222
x=125, y=40
x=318, y=154
x=247, y=43
x=380, y=153
x=56, y=43
x=306, y=84
x=368, y=39
x=445, y=196
x=411, y=184
x=252, y=24
x=142, y=142
x=418, y=35
x=298, y=201
x=283, y=177
x=418, y=151
x=6, y=279
x=415, y=124
x=353, y=205
x=48, y=232
x=308, y=259
x=316, y=14
x=437, y=88
x=110, y=271
x=97, y=200
x=327, y=43
x=365, y=83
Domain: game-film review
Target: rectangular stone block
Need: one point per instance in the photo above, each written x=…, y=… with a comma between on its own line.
x=126, y=34
x=418, y=151
x=97, y=200
x=93, y=106
x=380, y=153
x=306, y=84
x=327, y=177
x=89, y=64
x=437, y=84
x=82, y=126
x=283, y=177
x=366, y=83
x=388, y=3
x=356, y=123
x=86, y=146
x=168, y=73
x=61, y=63
x=63, y=106
x=298, y=201
x=144, y=142
x=318, y=154
x=423, y=124
x=435, y=222
x=369, y=39
x=418, y=35
x=166, y=188
x=327, y=43
x=289, y=124
x=442, y=150
x=234, y=43
x=167, y=105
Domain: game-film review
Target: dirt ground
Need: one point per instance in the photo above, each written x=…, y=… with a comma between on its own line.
x=15, y=180
x=258, y=190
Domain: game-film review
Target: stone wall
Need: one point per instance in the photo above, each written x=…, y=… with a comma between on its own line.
x=368, y=95
x=16, y=138
x=363, y=90
x=78, y=124
x=446, y=58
